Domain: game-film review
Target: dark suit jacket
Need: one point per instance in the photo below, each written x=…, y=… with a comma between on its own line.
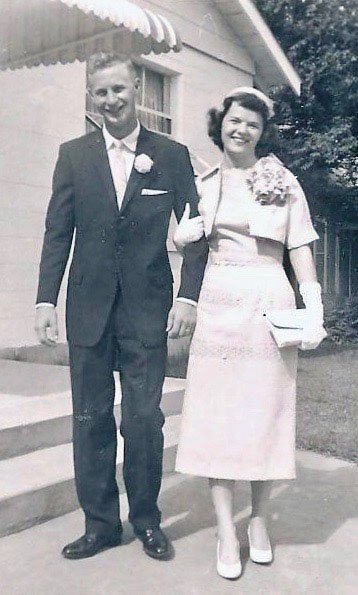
x=112, y=247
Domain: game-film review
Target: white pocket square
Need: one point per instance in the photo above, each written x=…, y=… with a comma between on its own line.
x=151, y=192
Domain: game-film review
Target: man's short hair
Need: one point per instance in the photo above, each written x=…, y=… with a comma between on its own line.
x=102, y=60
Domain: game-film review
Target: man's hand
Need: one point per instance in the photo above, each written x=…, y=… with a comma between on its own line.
x=181, y=320
x=46, y=325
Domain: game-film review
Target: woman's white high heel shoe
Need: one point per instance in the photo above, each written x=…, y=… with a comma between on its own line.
x=230, y=571
x=259, y=556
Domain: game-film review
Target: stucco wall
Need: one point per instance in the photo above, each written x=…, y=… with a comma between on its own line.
x=42, y=107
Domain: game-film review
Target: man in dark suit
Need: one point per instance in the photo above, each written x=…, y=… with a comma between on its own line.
x=116, y=189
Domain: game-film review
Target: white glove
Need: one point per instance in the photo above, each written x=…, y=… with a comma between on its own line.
x=313, y=330
x=188, y=230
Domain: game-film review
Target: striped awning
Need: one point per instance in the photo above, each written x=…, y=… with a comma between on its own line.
x=34, y=32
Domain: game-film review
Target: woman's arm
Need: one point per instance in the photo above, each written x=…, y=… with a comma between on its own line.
x=310, y=290
x=303, y=264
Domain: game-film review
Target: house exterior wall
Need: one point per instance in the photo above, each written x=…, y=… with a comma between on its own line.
x=40, y=108
x=44, y=106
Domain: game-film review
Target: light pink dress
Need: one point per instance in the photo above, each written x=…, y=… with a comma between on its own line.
x=238, y=418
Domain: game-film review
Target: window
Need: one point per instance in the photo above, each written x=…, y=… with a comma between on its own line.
x=154, y=103
x=153, y=106
x=93, y=119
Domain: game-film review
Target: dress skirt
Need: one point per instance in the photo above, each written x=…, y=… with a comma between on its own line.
x=238, y=418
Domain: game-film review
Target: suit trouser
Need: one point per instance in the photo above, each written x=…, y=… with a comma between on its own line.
x=142, y=371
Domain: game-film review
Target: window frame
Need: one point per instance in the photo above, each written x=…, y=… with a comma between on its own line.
x=167, y=88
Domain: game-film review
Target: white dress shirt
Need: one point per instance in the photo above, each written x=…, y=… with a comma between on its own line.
x=127, y=146
x=124, y=148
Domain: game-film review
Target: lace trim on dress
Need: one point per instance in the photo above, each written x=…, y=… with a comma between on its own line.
x=235, y=261
x=257, y=303
x=225, y=298
x=265, y=351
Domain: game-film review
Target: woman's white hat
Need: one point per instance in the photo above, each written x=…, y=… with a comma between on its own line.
x=252, y=91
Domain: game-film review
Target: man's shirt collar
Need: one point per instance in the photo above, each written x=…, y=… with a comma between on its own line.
x=130, y=141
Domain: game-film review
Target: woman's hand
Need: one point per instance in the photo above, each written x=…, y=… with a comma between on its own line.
x=310, y=290
x=312, y=335
x=313, y=330
x=188, y=230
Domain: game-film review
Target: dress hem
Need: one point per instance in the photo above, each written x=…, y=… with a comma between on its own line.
x=277, y=475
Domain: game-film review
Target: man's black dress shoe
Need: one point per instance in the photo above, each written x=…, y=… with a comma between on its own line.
x=89, y=545
x=156, y=544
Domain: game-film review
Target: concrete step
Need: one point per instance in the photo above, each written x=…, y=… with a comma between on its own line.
x=39, y=485
x=36, y=407
x=36, y=466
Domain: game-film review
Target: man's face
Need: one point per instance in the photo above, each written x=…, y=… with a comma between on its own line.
x=114, y=91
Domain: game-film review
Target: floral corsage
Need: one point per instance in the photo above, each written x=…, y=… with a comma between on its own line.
x=143, y=164
x=269, y=182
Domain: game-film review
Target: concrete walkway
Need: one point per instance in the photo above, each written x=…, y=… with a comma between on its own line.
x=313, y=529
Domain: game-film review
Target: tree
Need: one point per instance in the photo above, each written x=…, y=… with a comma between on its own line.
x=319, y=128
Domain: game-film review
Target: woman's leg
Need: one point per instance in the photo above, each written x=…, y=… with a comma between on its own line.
x=222, y=492
x=260, y=494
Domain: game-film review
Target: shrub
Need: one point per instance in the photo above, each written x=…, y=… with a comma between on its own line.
x=342, y=323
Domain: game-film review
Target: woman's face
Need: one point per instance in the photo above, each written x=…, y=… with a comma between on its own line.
x=241, y=130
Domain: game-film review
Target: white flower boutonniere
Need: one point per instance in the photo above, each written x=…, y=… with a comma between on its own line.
x=143, y=164
x=268, y=181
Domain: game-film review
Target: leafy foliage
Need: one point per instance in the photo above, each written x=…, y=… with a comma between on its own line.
x=342, y=323
x=319, y=128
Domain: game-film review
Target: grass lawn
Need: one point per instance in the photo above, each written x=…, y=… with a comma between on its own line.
x=327, y=403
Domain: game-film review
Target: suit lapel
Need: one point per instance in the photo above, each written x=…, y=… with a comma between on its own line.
x=137, y=181
x=99, y=157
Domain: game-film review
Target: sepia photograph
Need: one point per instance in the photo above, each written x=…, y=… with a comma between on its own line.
x=178, y=297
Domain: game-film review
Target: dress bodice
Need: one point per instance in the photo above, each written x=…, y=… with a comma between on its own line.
x=230, y=241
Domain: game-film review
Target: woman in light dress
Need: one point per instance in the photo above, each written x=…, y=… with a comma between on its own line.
x=238, y=419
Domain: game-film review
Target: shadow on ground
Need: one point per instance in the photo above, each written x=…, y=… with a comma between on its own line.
x=306, y=511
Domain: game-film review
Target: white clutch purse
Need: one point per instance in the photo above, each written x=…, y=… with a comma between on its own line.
x=286, y=326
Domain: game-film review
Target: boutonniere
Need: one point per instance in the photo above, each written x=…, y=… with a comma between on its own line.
x=143, y=164
x=268, y=181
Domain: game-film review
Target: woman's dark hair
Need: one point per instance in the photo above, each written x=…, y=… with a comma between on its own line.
x=248, y=101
